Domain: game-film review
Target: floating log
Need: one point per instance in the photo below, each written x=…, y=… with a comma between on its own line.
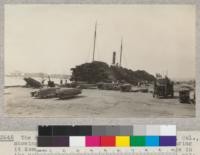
x=45, y=93
x=65, y=93
x=126, y=87
x=108, y=86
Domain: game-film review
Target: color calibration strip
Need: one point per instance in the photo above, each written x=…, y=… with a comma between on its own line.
x=107, y=136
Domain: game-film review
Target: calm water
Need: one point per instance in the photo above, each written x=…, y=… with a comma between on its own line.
x=13, y=81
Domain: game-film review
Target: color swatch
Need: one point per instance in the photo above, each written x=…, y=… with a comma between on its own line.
x=107, y=136
x=93, y=141
x=138, y=141
x=108, y=141
x=122, y=141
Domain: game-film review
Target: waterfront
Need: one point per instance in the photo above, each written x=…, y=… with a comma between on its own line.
x=19, y=81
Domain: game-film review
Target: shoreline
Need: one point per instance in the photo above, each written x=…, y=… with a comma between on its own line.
x=95, y=103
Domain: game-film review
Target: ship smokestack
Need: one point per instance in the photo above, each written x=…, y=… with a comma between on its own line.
x=114, y=58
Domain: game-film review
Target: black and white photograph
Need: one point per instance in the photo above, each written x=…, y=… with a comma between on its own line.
x=110, y=61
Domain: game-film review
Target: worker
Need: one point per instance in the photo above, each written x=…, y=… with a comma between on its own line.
x=61, y=82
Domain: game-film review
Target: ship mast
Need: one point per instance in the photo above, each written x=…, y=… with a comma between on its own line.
x=120, y=61
x=95, y=34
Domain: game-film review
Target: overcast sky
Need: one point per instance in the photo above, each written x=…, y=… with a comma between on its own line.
x=55, y=38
